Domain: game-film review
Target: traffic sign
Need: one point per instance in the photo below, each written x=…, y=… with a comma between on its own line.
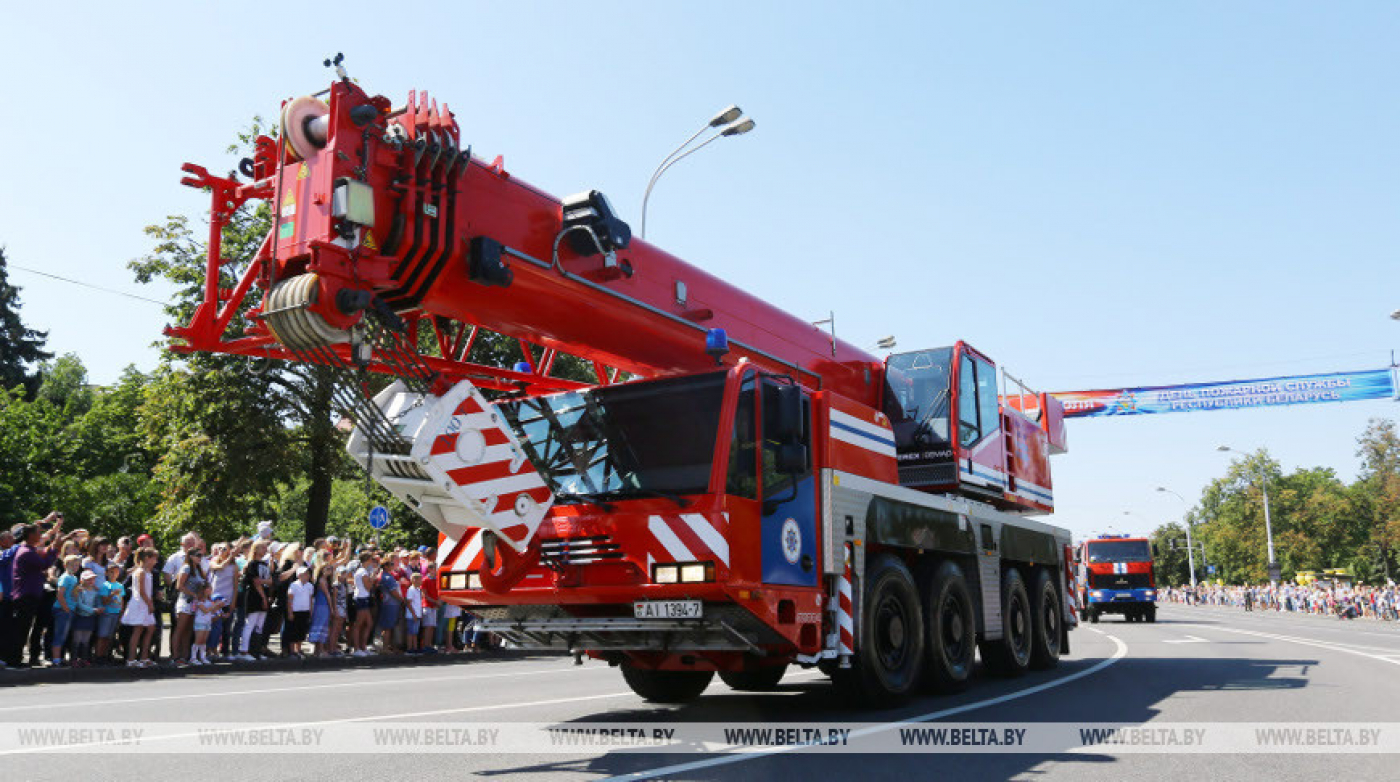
x=379, y=517
x=1275, y=572
x=1210, y=570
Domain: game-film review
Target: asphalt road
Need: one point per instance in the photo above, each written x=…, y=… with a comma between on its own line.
x=1195, y=665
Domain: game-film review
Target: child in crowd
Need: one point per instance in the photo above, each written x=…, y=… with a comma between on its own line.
x=208, y=608
x=63, y=606
x=413, y=607
x=111, y=599
x=84, y=619
x=300, y=595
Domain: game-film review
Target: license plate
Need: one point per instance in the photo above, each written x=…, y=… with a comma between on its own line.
x=667, y=609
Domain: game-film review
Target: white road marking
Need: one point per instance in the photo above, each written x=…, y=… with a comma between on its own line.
x=367, y=718
x=1190, y=639
x=46, y=705
x=1336, y=647
x=1120, y=650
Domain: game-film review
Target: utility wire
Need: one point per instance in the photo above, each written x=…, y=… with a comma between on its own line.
x=85, y=284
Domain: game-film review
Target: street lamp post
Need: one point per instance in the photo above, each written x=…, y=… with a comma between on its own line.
x=735, y=124
x=1190, y=549
x=1268, y=523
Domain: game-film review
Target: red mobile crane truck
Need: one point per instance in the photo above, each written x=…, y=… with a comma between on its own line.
x=757, y=494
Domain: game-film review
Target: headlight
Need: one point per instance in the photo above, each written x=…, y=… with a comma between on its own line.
x=473, y=580
x=665, y=574
x=696, y=572
x=1096, y=593
x=1151, y=593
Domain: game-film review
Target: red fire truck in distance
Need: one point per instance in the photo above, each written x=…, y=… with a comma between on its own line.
x=758, y=494
x=1115, y=577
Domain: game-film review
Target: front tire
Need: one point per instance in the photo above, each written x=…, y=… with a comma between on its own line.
x=1010, y=655
x=1046, y=618
x=890, y=648
x=759, y=680
x=1152, y=615
x=951, y=648
x=673, y=687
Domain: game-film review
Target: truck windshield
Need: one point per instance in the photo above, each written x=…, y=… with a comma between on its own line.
x=916, y=397
x=1119, y=551
x=645, y=439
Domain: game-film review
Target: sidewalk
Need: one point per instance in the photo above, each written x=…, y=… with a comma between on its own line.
x=1300, y=615
x=166, y=669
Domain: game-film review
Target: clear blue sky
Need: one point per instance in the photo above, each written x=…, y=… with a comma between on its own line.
x=1093, y=194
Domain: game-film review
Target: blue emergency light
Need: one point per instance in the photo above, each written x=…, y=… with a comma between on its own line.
x=523, y=367
x=716, y=344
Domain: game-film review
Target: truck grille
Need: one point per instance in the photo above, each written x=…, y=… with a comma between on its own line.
x=581, y=551
x=1120, y=581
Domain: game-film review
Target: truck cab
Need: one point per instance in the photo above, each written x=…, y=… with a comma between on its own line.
x=1116, y=578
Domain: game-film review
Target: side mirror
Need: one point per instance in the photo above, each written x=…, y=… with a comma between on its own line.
x=786, y=426
x=790, y=459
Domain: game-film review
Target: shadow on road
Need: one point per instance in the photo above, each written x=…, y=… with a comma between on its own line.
x=1126, y=693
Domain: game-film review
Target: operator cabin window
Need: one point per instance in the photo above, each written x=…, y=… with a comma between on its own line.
x=969, y=428
x=742, y=480
x=978, y=411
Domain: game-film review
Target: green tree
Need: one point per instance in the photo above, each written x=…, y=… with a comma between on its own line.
x=1378, y=492
x=1169, y=563
x=20, y=346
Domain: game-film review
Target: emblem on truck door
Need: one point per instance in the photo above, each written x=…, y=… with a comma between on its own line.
x=792, y=541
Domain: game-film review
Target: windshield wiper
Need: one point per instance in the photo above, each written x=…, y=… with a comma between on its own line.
x=595, y=498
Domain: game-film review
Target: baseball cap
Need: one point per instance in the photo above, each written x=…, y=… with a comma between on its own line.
x=422, y=549
x=332, y=539
x=88, y=575
x=143, y=540
x=217, y=596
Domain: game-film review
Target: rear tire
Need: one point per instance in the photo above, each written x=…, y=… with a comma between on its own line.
x=1010, y=655
x=666, y=686
x=1046, y=618
x=758, y=680
x=890, y=646
x=951, y=648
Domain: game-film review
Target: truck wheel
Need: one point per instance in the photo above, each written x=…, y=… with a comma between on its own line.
x=1045, y=623
x=666, y=686
x=890, y=647
x=1152, y=614
x=758, y=680
x=1094, y=615
x=952, y=630
x=1011, y=654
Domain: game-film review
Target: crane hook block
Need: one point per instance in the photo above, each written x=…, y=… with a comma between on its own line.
x=460, y=466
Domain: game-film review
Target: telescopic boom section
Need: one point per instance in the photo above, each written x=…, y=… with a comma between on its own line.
x=387, y=229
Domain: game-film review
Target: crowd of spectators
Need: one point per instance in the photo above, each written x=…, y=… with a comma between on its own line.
x=71, y=598
x=1344, y=601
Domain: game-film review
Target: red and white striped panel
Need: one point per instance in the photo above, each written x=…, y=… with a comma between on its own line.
x=688, y=537
x=464, y=554
x=467, y=450
x=844, y=611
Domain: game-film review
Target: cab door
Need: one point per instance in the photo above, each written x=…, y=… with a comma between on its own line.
x=788, y=491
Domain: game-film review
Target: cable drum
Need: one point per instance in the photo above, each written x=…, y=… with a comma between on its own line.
x=288, y=314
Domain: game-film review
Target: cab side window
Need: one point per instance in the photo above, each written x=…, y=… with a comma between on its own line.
x=742, y=480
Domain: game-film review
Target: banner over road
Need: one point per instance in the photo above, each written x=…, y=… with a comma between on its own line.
x=1231, y=394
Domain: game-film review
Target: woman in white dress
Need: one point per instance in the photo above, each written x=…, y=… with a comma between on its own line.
x=140, y=611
